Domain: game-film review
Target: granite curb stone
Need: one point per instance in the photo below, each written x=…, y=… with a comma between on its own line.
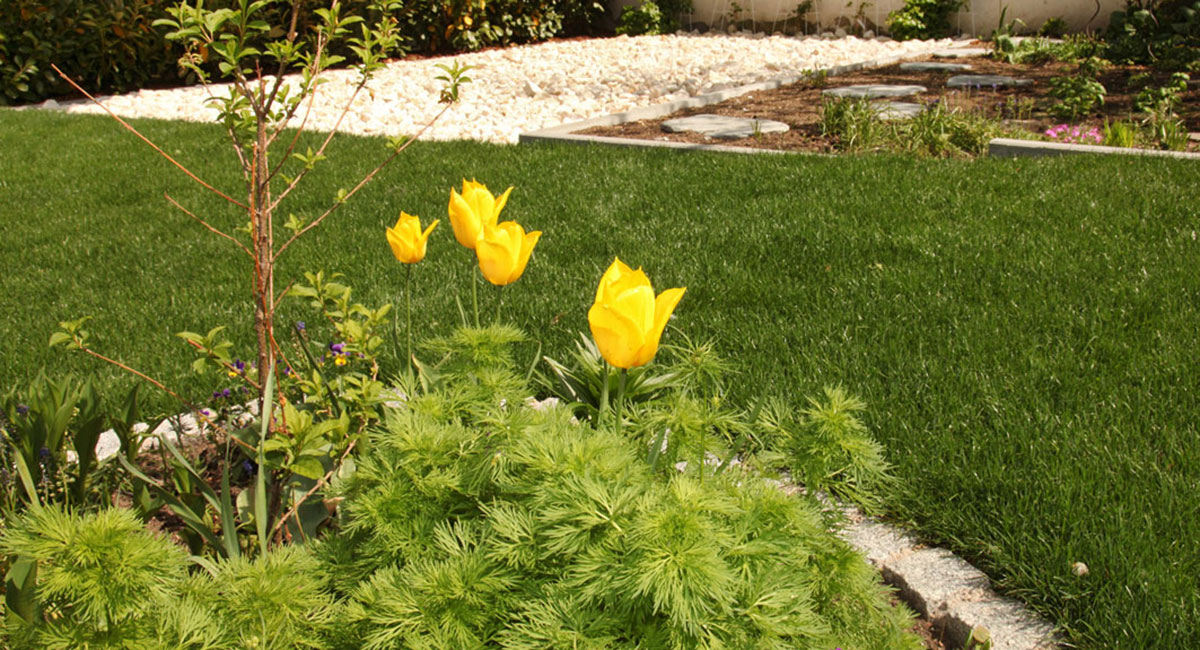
x=952, y=595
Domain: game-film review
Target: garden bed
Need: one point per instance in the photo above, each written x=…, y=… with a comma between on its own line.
x=1021, y=111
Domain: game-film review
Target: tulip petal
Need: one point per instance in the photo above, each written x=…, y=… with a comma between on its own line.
x=528, y=241
x=616, y=336
x=636, y=304
x=464, y=220
x=483, y=204
x=425, y=235
x=498, y=249
x=501, y=201
x=664, y=305
x=615, y=271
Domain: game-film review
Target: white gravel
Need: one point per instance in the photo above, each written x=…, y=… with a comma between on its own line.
x=531, y=87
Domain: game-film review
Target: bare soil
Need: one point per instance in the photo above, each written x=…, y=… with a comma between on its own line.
x=1020, y=108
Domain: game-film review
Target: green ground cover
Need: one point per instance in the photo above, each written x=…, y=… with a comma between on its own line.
x=1024, y=332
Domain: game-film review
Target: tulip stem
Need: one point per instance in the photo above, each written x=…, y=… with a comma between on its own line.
x=603, y=395
x=408, y=313
x=620, y=397
x=499, y=301
x=475, y=297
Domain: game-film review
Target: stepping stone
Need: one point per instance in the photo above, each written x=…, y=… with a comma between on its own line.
x=723, y=127
x=889, y=111
x=984, y=80
x=961, y=53
x=874, y=91
x=934, y=66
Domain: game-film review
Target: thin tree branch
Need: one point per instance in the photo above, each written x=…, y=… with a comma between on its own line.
x=361, y=183
x=206, y=225
x=147, y=140
x=329, y=137
x=321, y=483
x=199, y=413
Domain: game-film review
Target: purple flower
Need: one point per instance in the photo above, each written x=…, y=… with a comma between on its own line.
x=249, y=467
x=239, y=365
x=44, y=453
x=300, y=326
x=226, y=393
x=337, y=347
x=22, y=409
x=216, y=394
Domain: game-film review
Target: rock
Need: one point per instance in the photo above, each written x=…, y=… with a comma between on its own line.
x=985, y=80
x=840, y=32
x=889, y=111
x=536, y=86
x=934, y=66
x=961, y=53
x=869, y=34
x=872, y=91
x=724, y=127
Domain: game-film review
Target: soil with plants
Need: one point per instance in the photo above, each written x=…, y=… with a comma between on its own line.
x=977, y=114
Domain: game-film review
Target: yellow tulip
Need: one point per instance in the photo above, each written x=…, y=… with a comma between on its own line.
x=503, y=251
x=407, y=240
x=627, y=320
x=475, y=208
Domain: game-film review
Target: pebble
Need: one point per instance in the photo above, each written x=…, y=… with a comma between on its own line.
x=531, y=87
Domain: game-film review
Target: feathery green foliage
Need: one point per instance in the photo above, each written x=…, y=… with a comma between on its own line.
x=497, y=525
x=101, y=578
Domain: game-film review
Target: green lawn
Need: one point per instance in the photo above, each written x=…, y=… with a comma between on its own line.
x=1025, y=332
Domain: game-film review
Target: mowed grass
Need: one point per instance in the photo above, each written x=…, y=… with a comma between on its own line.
x=1025, y=332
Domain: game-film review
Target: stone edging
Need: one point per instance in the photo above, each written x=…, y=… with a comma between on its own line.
x=566, y=132
x=945, y=590
x=1010, y=148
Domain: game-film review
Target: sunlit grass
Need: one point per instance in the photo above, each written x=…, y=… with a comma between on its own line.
x=1025, y=333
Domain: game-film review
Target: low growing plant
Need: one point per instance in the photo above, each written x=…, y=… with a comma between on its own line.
x=854, y=122
x=1119, y=133
x=1076, y=96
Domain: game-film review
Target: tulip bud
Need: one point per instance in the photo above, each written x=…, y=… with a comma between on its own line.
x=407, y=240
x=503, y=251
x=627, y=320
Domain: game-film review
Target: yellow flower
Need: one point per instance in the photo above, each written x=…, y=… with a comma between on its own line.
x=407, y=240
x=503, y=251
x=627, y=320
x=475, y=208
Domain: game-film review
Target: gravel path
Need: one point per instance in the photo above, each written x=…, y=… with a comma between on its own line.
x=532, y=87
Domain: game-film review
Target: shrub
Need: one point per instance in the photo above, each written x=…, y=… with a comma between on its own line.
x=113, y=45
x=105, y=44
x=1160, y=32
x=102, y=581
x=922, y=19
x=482, y=523
x=643, y=18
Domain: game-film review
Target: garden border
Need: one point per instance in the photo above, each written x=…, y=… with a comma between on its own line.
x=997, y=147
x=945, y=590
x=567, y=132
x=1011, y=148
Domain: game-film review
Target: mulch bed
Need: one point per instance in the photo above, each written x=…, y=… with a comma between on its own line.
x=799, y=105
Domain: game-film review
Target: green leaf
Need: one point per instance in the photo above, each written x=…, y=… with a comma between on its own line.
x=20, y=588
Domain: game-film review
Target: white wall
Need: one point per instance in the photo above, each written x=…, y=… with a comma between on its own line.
x=979, y=18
